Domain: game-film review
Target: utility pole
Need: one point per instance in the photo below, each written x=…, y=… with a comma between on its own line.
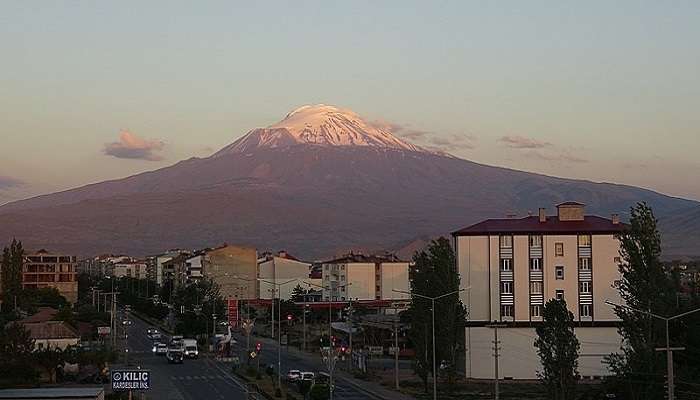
x=496, y=348
x=350, y=335
x=396, y=349
x=303, y=316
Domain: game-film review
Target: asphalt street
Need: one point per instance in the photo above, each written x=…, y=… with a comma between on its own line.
x=202, y=378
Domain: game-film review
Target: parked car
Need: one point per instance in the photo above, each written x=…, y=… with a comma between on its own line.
x=307, y=376
x=191, y=350
x=175, y=355
x=293, y=375
x=160, y=349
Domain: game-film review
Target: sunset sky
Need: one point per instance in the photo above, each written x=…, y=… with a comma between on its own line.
x=606, y=91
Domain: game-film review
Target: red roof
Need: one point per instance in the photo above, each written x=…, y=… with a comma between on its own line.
x=531, y=225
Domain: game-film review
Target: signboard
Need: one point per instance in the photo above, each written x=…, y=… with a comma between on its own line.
x=375, y=350
x=233, y=312
x=103, y=330
x=131, y=379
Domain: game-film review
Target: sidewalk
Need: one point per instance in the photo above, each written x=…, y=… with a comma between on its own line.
x=371, y=389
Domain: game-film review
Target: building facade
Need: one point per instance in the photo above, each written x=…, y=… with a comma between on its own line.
x=280, y=268
x=234, y=269
x=362, y=277
x=513, y=266
x=131, y=268
x=43, y=269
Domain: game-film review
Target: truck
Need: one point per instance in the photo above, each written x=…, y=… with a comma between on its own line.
x=191, y=349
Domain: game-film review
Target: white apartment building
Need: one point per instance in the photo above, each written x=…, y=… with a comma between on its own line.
x=514, y=265
x=361, y=277
x=130, y=268
x=280, y=268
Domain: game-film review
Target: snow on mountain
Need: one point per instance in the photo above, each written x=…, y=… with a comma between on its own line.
x=318, y=124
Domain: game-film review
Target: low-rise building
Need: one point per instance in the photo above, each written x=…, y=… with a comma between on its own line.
x=363, y=277
x=42, y=269
x=131, y=268
x=48, y=333
x=513, y=266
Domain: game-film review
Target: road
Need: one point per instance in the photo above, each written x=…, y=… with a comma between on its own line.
x=203, y=378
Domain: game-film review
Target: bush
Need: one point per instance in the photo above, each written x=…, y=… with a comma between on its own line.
x=319, y=392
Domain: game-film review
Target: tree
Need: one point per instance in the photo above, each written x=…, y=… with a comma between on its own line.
x=49, y=360
x=16, y=346
x=12, y=259
x=558, y=347
x=206, y=296
x=298, y=294
x=645, y=285
x=434, y=274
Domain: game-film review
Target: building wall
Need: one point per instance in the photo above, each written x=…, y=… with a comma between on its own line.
x=280, y=270
x=518, y=356
x=235, y=270
x=521, y=276
x=41, y=344
x=394, y=276
x=605, y=272
x=473, y=268
x=138, y=271
x=44, y=270
x=570, y=263
x=362, y=279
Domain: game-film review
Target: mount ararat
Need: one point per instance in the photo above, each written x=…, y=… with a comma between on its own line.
x=319, y=182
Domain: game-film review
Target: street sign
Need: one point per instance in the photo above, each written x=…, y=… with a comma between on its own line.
x=131, y=379
x=103, y=330
x=253, y=354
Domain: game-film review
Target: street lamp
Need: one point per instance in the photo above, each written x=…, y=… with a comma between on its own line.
x=277, y=289
x=331, y=355
x=668, y=348
x=432, y=299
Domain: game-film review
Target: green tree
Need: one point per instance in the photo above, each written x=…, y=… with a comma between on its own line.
x=12, y=259
x=645, y=285
x=49, y=360
x=434, y=274
x=558, y=347
x=16, y=346
x=298, y=293
x=198, y=300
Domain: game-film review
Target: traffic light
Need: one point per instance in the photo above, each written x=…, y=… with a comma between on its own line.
x=289, y=317
x=258, y=347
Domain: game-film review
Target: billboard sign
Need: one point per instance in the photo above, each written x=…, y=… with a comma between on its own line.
x=131, y=379
x=103, y=330
x=233, y=312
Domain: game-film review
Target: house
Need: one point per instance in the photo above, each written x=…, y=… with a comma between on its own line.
x=365, y=277
x=513, y=266
x=73, y=393
x=49, y=333
x=42, y=269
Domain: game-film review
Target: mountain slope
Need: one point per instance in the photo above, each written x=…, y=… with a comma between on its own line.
x=313, y=199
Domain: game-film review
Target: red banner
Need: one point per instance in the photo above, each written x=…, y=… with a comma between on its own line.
x=233, y=312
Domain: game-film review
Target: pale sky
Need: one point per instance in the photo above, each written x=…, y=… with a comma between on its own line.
x=606, y=91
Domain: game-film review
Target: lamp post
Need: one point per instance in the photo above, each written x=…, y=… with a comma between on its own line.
x=277, y=289
x=432, y=300
x=331, y=352
x=669, y=350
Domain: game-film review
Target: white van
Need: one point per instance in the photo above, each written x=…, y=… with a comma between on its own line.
x=190, y=347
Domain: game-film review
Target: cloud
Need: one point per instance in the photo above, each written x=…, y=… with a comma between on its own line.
x=133, y=147
x=7, y=182
x=428, y=139
x=558, y=156
x=522, y=142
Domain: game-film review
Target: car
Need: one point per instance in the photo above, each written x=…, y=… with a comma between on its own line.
x=160, y=349
x=293, y=375
x=307, y=376
x=175, y=355
x=153, y=334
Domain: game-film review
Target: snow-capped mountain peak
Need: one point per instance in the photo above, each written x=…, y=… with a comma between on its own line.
x=319, y=124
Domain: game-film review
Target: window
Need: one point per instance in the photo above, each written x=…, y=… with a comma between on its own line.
x=506, y=264
x=585, y=310
x=506, y=241
x=584, y=264
x=342, y=278
x=616, y=260
x=506, y=287
x=536, y=264
x=559, y=249
x=584, y=240
x=325, y=267
x=535, y=241
x=559, y=272
x=342, y=288
x=559, y=294
x=507, y=311
x=536, y=311
x=585, y=287
x=342, y=267
x=536, y=287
